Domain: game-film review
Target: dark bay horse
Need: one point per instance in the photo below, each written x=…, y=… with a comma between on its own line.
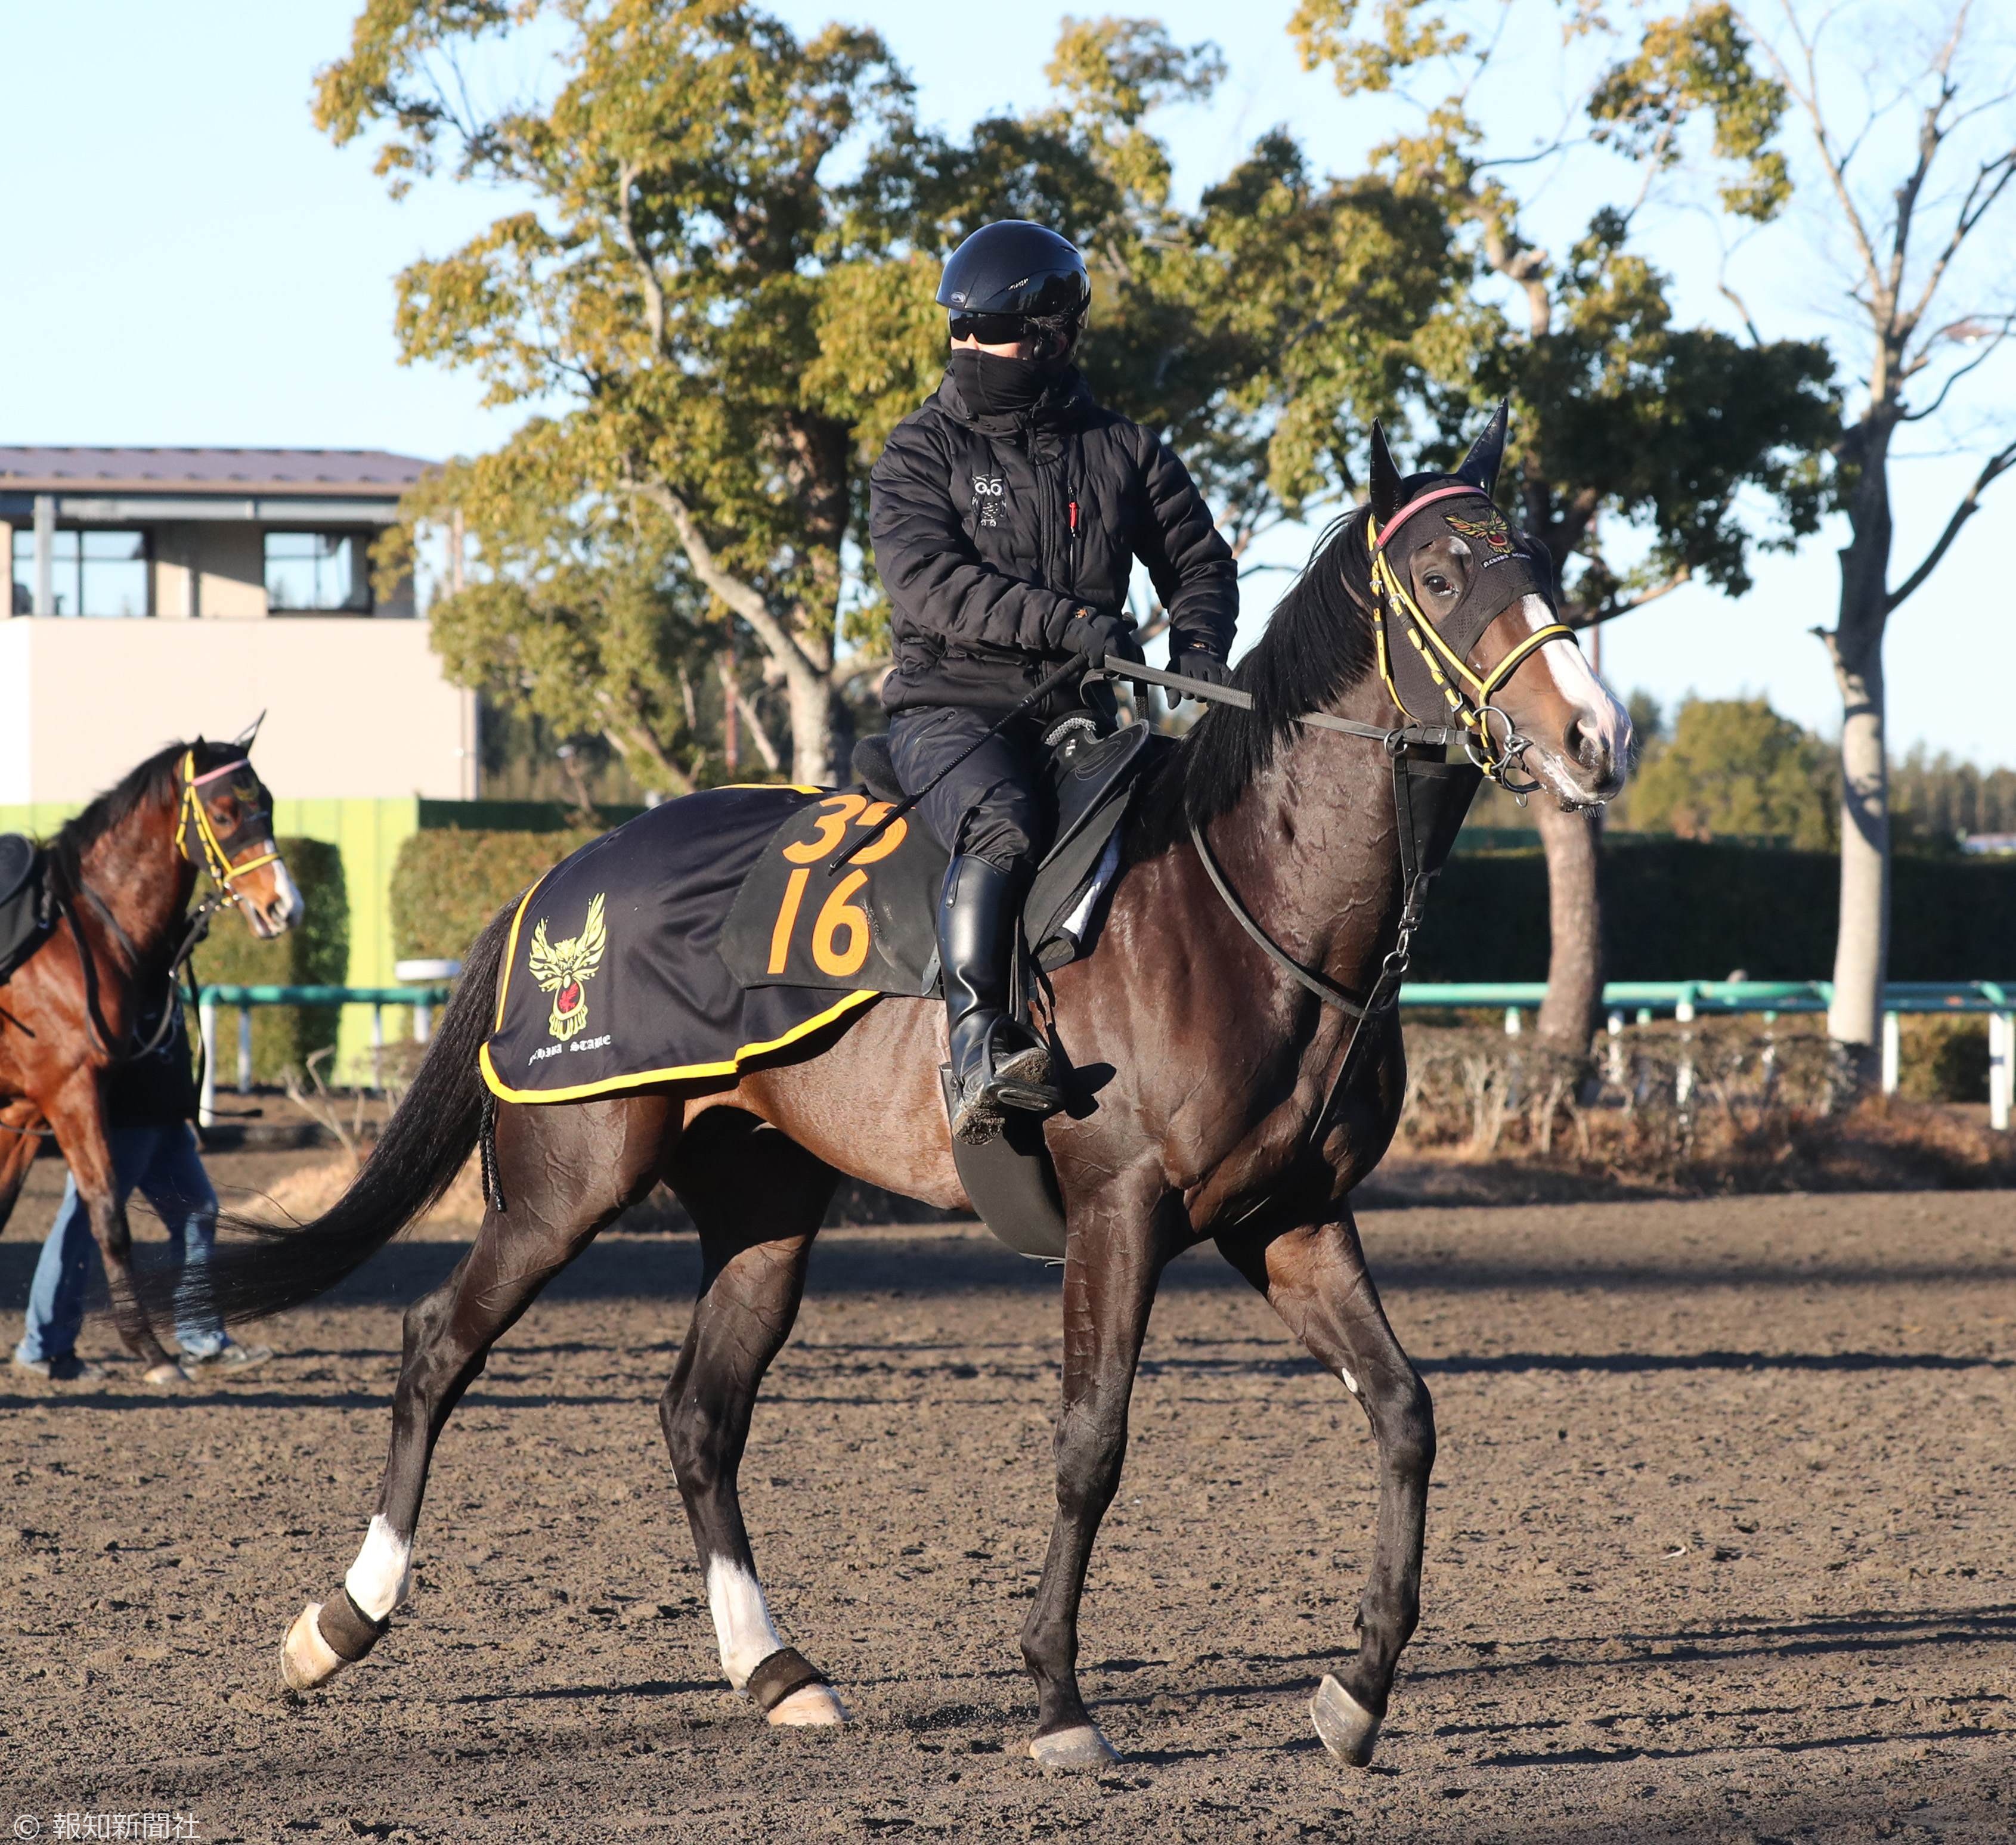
x=1200, y=1069
x=122, y=874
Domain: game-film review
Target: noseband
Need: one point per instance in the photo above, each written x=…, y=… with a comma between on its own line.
x=1467, y=693
x=210, y=849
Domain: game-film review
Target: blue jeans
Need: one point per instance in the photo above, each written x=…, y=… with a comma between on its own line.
x=161, y=1162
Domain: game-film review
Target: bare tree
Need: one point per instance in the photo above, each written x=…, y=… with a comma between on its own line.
x=1928, y=318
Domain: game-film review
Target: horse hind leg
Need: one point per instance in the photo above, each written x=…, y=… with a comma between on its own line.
x=449, y=1332
x=1316, y=1280
x=758, y=1198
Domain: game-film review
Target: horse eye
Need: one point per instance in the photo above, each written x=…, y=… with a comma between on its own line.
x=1438, y=583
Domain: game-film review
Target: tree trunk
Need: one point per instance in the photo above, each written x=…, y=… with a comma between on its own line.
x=1575, y=963
x=1862, y=946
x=1862, y=943
x=814, y=735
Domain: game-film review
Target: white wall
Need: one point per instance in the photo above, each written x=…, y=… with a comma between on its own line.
x=16, y=735
x=353, y=707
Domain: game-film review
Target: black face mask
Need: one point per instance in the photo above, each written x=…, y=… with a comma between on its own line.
x=989, y=386
x=1500, y=574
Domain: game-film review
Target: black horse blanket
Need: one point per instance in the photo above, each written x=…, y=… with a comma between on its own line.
x=714, y=932
x=707, y=934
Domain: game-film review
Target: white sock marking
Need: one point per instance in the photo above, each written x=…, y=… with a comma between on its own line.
x=742, y=1623
x=383, y=1574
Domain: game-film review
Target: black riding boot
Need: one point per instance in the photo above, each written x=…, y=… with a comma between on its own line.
x=996, y=1064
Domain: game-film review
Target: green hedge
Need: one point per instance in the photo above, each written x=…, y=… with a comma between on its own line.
x=1673, y=909
x=315, y=953
x=447, y=883
x=1685, y=909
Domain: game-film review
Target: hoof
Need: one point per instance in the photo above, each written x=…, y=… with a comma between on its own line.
x=307, y=1660
x=811, y=1706
x=1348, y=1729
x=1076, y=1749
x=167, y=1372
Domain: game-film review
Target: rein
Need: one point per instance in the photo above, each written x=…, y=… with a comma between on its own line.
x=1420, y=863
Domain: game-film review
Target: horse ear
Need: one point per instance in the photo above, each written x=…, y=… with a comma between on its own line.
x=1385, y=477
x=243, y=739
x=1479, y=468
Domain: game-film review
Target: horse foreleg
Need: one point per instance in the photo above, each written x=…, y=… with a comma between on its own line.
x=758, y=1198
x=1316, y=1279
x=19, y=1142
x=77, y=1114
x=541, y=1151
x=1114, y=1260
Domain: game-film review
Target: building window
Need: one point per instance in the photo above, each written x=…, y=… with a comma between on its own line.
x=308, y=571
x=92, y=573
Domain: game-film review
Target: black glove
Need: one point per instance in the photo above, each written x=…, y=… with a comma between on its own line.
x=1100, y=638
x=1200, y=664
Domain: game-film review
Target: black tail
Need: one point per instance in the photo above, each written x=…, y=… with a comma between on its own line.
x=423, y=1147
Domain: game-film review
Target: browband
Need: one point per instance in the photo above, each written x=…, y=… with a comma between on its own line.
x=1426, y=499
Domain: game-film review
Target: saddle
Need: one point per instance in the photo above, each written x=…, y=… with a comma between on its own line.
x=788, y=926
x=25, y=910
x=1010, y=1179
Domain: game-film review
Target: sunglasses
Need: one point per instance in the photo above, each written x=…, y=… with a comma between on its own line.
x=1051, y=333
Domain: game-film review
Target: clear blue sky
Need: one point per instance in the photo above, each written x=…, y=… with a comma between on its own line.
x=188, y=262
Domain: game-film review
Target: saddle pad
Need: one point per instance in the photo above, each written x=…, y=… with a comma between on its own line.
x=708, y=933
x=617, y=973
x=23, y=917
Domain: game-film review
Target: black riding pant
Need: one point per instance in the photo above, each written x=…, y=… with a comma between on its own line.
x=996, y=804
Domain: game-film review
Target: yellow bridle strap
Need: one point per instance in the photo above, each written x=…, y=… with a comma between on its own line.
x=1554, y=631
x=1451, y=664
x=217, y=862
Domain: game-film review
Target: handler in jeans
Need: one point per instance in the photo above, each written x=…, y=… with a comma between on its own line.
x=148, y=1105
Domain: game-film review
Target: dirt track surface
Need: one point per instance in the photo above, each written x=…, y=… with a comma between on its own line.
x=1719, y=1549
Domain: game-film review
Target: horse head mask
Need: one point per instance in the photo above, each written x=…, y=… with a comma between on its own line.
x=1445, y=567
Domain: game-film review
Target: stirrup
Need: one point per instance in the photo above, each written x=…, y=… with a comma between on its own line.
x=975, y=1117
x=1022, y=1080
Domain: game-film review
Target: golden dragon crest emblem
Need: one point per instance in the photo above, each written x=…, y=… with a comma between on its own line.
x=563, y=968
x=1491, y=531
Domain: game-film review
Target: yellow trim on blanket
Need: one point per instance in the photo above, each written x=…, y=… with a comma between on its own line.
x=511, y=950
x=679, y=1073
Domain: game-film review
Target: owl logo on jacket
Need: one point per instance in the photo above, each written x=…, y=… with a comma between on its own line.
x=563, y=968
x=990, y=493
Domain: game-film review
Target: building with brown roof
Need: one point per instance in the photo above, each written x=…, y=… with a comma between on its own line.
x=158, y=592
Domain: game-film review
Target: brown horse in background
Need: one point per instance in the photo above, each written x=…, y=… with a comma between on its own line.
x=120, y=877
x=1196, y=1068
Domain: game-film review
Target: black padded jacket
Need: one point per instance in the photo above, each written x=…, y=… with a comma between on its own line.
x=991, y=532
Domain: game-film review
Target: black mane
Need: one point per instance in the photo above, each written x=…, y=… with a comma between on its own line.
x=1317, y=644
x=143, y=784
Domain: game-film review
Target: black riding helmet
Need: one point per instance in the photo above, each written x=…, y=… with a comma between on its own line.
x=1008, y=275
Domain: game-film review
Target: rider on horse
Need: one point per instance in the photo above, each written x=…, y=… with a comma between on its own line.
x=1007, y=513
